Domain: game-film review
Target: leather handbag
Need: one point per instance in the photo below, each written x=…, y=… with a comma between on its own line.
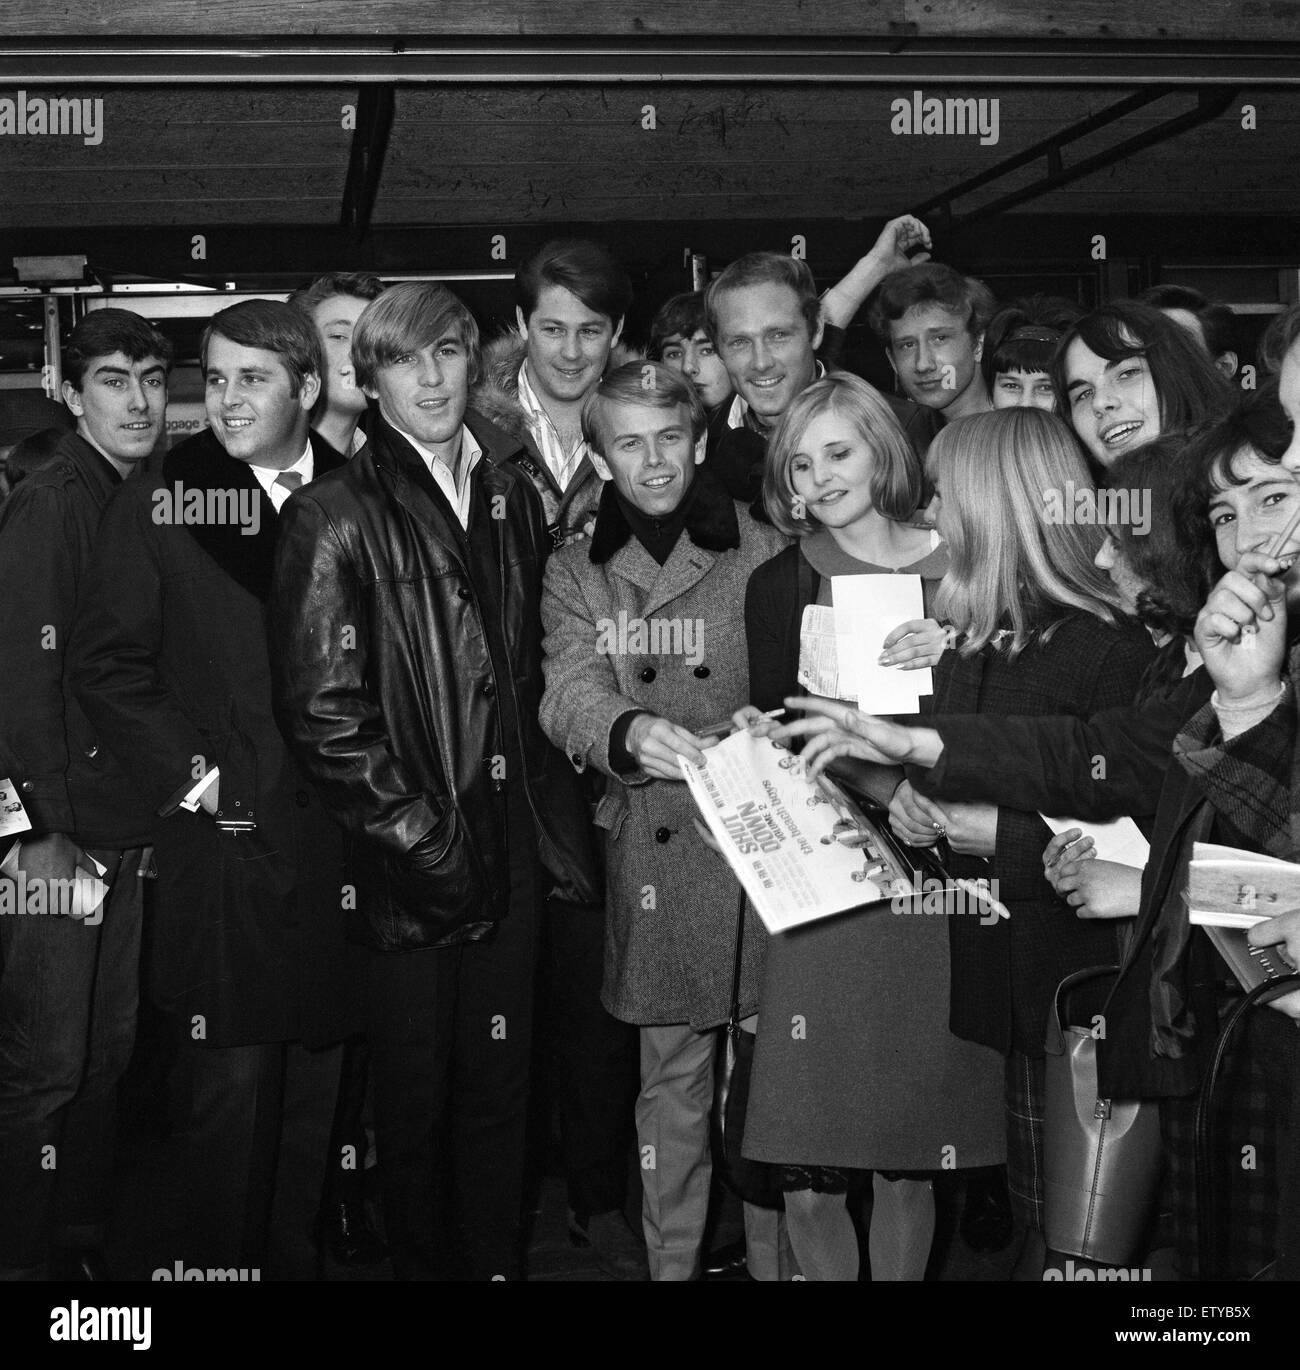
x=1102, y=1157
x=752, y=1181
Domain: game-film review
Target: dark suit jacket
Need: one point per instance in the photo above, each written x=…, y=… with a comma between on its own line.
x=1004, y=975
x=68, y=782
x=169, y=660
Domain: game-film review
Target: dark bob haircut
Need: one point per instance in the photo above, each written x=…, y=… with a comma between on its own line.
x=680, y=317
x=1254, y=422
x=105, y=331
x=1023, y=335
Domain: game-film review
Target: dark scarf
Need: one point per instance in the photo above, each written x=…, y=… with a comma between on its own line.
x=706, y=513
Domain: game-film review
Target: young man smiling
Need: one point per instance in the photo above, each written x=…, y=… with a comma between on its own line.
x=169, y=661
x=406, y=652
x=669, y=546
x=334, y=302
x=67, y=990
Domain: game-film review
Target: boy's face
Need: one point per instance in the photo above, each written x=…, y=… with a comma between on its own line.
x=335, y=319
x=933, y=355
x=649, y=455
x=424, y=390
x=121, y=405
x=697, y=359
x=251, y=405
x=568, y=344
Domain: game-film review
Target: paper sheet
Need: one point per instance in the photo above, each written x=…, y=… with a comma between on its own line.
x=1119, y=840
x=13, y=817
x=819, y=670
x=867, y=609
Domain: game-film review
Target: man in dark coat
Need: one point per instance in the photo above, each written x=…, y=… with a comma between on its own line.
x=68, y=987
x=407, y=658
x=169, y=661
x=571, y=296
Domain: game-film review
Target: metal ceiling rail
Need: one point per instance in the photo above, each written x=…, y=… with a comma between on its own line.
x=884, y=61
x=1210, y=105
x=376, y=106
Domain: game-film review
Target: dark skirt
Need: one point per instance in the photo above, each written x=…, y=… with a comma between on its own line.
x=855, y=1067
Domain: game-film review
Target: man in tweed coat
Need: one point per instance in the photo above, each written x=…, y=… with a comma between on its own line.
x=645, y=652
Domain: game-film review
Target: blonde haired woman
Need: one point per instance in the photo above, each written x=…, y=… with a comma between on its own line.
x=855, y=1069
x=1040, y=631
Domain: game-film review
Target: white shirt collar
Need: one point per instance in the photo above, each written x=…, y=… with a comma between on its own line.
x=304, y=466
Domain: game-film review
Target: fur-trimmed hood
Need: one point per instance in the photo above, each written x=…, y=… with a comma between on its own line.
x=496, y=396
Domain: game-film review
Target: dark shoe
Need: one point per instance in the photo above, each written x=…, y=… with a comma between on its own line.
x=343, y=1231
x=986, y=1223
x=613, y=1243
x=727, y=1262
x=81, y=1265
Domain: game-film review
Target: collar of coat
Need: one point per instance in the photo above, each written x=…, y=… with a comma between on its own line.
x=710, y=522
x=201, y=463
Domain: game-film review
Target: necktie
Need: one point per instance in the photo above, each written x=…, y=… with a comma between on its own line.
x=291, y=480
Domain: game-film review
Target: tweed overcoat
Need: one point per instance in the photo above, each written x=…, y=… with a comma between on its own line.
x=671, y=902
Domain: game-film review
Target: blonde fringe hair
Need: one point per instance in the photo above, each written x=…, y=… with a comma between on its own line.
x=896, y=476
x=1010, y=567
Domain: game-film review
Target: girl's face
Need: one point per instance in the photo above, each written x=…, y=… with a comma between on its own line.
x=831, y=470
x=1113, y=406
x=1023, y=390
x=1247, y=517
x=1126, y=581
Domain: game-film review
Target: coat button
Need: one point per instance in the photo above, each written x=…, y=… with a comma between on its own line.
x=489, y=689
x=27, y=787
x=302, y=799
x=663, y=834
x=701, y=673
x=463, y=593
x=648, y=674
x=92, y=751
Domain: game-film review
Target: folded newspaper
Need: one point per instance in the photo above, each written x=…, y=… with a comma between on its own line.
x=801, y=848
x=1229, y=890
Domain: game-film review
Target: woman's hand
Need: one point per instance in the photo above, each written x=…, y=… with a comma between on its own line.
x=1054, y=858
x=972, y=828
x=1100, y=889
x=754, y=720
x=1241, y=630
x=835, y=729
x=916, y=820
x=916, y=644
x=1284, y=929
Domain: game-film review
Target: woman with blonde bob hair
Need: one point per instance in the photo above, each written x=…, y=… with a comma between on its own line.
x=1039, y=632
x=878, y=1087
x=1009, y=487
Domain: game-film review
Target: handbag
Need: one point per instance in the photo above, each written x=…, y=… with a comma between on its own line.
x=1209, y=1239
x=752, y=1181
x=1102, y=1158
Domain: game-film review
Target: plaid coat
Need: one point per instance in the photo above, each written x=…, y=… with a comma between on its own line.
x=671, y=903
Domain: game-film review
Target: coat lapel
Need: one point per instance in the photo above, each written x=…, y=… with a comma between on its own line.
x=408, y=479
x=201, y=463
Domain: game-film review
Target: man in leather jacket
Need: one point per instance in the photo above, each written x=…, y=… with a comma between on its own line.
x=406, y=650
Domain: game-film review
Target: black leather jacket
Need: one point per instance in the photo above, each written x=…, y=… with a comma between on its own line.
x=385, y=690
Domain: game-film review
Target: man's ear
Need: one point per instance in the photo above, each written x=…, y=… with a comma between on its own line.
x=979, y=346
x=521, y=323
x=72, y=398
x=818, y=331
x=618, y=333
x=309, y=391
x=601, y=465
x=701, y=446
